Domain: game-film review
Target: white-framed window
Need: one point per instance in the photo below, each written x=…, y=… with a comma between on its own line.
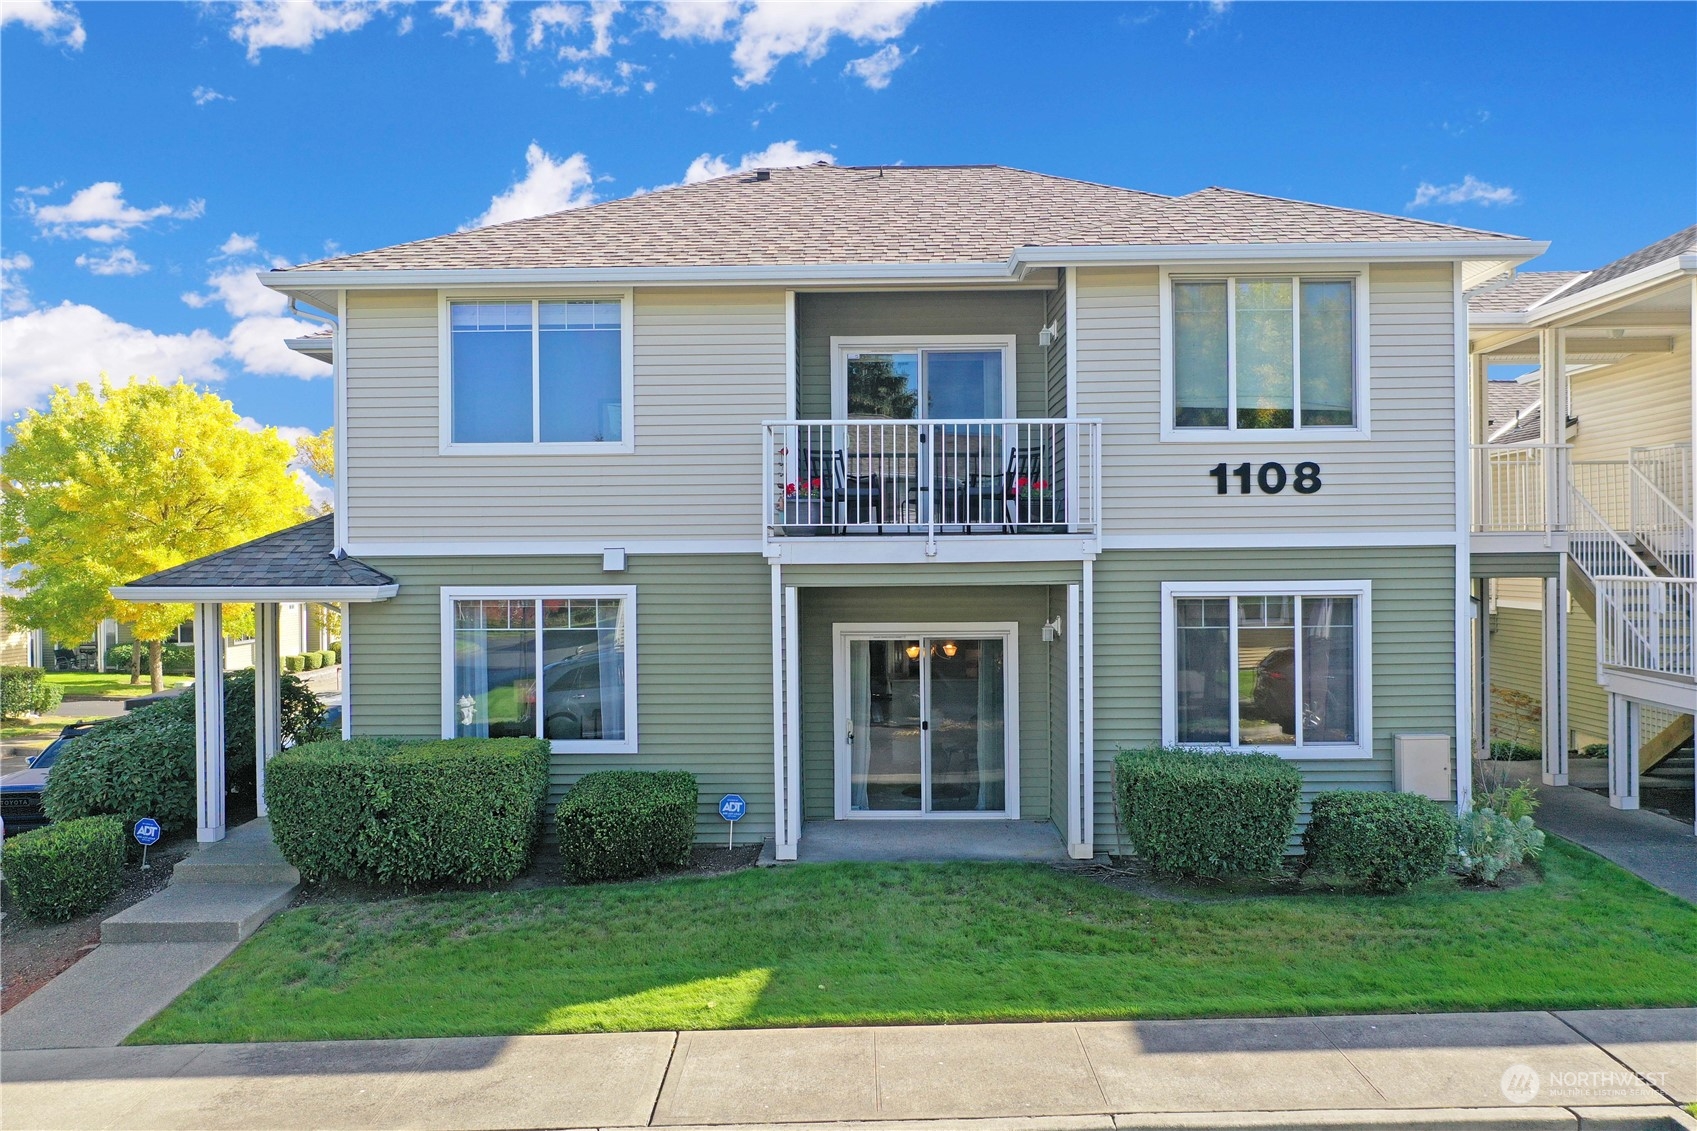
x=923, y=377
x=539, y=374
x=1264, y=356
x=547, y=662
x=1283, y=667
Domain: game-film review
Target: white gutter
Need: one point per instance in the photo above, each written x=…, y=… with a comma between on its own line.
x=242, y=594
x=1086, y=255
x=1667, y=271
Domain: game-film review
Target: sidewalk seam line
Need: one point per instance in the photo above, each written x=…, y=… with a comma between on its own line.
x=1637, y=1075
x=877, y=1080
x=1353, y=1067
x=1089, y=1064
x=671, y=1054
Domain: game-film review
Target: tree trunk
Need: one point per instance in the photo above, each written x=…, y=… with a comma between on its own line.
x=156, y=664
x=135, y=661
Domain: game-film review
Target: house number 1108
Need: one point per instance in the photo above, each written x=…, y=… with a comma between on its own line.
x=1270, y=477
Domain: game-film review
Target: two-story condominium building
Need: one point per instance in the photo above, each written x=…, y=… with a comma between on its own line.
x=903, y=493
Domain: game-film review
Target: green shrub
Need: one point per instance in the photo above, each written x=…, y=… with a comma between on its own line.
x=620, y=824
x=326, y=658
x=311, y=661
x=1594, y=750
x=143, y=764
x=393, y=811
x=1504, y=751
x=336, y=651
x=25, y=691
x=174, y=659
x=1192, y=813
x=294, y=663
x=1489, y=844
x=1383, y=841
x=66, y=869
x=1514, y=802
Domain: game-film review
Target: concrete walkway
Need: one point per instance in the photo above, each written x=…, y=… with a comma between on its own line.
x=886, y=841
x=1656, y=848
x=1614, y=1069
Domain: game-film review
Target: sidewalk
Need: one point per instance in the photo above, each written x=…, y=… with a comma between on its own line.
x=1613, y=1069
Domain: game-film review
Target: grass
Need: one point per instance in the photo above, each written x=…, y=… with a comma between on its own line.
x=38, y=727
x=107, y=685
x=863, y=943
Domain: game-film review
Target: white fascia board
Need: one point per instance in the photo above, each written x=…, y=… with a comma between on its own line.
x=243, y=594
x=801, y=274
x=319, y=349
x=1374, y=250
x=1657, y=274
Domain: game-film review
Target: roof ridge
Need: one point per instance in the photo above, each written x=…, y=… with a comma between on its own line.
x=1347, y=208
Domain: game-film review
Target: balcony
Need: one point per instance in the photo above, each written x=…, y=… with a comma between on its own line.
x=931, y=481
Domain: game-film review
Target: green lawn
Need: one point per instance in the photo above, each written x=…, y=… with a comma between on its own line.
x=107, y=685
x=848, y=944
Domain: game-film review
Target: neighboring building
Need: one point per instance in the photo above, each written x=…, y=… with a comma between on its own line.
x=19, y=647
x=872, y=493
x=1583, y=513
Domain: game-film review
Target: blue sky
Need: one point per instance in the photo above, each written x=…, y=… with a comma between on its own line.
x=243, y=134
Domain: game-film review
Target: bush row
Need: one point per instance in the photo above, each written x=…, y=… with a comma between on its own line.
x=142, y=764
x=311, y=661
x=66, y=869
x=620, y=824
x=26, y=691
x=175, y=659
x=393, y=811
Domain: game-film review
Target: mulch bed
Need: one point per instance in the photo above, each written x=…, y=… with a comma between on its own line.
x=32, y=953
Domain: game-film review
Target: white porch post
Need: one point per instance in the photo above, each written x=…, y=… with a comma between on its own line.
x=209, y=720
x=1626, y=734
x=1555, y=678
x=1072, y=636
x=792, y=718
x=267, y=694
x=783, y=839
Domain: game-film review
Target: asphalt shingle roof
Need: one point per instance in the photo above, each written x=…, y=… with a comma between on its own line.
x=1680, y=243
x=1518, y=293
x=298, y=557
x=819, y=214
x=1510, y=402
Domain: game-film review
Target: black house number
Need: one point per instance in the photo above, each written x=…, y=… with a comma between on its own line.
x=1272, y=478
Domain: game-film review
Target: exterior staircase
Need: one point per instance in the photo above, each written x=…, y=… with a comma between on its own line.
x=222, y=893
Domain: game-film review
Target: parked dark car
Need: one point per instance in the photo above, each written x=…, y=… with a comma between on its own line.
x=1275, y=697
x=20, y=792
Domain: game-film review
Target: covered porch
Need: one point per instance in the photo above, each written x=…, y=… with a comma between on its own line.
x=299, y=563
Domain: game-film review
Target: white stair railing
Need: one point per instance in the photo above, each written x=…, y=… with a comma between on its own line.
x=1660, y=498
x=1645, y=623
x=1598, y=507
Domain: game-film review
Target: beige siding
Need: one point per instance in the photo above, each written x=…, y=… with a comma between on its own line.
x=1640, y=402
x=1517, y=662
x=709, y=366
x=1401, y=479
x=704, y=675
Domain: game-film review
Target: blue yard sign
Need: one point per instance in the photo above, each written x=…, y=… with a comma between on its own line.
x=146, y=833
x=733, y=808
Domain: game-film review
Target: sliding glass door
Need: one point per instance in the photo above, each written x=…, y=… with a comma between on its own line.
x=926, y=727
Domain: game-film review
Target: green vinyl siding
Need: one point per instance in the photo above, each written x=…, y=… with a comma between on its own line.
x=1055, y=314
x=1413, y=626
x=823, y=608
x=1516, y=565
x=821, y=317
x=703, y=659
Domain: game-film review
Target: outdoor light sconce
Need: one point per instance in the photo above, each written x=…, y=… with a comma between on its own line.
x=1047, y=335
x=1052, y=631
x=949, y=649
x=913, y=651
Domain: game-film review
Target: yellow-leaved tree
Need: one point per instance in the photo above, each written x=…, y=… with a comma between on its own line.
x=117, y=482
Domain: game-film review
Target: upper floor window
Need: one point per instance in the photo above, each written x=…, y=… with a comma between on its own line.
x=537, y=371
x=1253, y=353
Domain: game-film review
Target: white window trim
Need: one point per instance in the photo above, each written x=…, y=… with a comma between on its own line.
x=626, y=443
x=841, y=347
x=1312, y=434
x=1362, y=591
x=450, y=594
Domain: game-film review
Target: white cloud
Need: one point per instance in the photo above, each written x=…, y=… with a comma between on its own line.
x=778, y=155
x=57, y=22
x=875, y=70
x=1469, y=190
x=100, y=213
x=68, y=343
x=705, y=106
x=547, y=18
x=262, y=320
x=549, y=184
x=297, y=24
x=601, y=13
x=239, y=244
x=1213, y=15
x=591, y=82
x=487, y=16
x=118, y=261
x=204, y=94
x=14, y=295
x=766, y=32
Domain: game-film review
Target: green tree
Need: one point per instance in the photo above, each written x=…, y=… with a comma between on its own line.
x=318, y=455
x=114, y=483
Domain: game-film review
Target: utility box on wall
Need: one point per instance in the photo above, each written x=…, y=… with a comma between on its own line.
x=1425, y=765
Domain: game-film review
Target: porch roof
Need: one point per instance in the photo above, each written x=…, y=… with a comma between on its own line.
x=298, y=563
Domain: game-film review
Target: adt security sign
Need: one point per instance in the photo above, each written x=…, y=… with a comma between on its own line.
x=146, y=833
x=733, y=808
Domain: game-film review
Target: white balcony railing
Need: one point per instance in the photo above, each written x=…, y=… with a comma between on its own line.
x=932, y=478
x=1645, y=624
x=1519, y=488
x=1661, y=505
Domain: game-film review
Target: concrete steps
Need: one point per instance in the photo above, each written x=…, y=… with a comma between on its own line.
x=246, y=856
x=220, y=894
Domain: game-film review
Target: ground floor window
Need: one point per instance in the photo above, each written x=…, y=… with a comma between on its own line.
x=1279, y=667
x=553, y=663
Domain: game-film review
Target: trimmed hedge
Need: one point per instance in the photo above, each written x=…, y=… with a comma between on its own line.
x=142, y=764
x=1384, y=841
x=1504, y=751
x=394, y=811
x=294, y=663
x=620, y=824
x=1198, y=814
x=25, y=691
x=174, y=659
x=66, y=869
x=311, y=661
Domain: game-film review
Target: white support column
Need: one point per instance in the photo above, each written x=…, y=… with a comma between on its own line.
x=792, y=718
x=1555, y=678
x=783, y=838
x=1626, y=734
x=1072, y=636
x=1087, y=677
x=209, y=721
x=267, y=693
x=347, y=670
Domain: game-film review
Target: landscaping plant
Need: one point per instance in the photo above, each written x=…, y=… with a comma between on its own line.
x=620, y=824
x=176, y=659
x=25, y=691
x=1384, y=841
x=1489, y=844
x=66, y=869
x=1202, y=814
x=406, y=812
